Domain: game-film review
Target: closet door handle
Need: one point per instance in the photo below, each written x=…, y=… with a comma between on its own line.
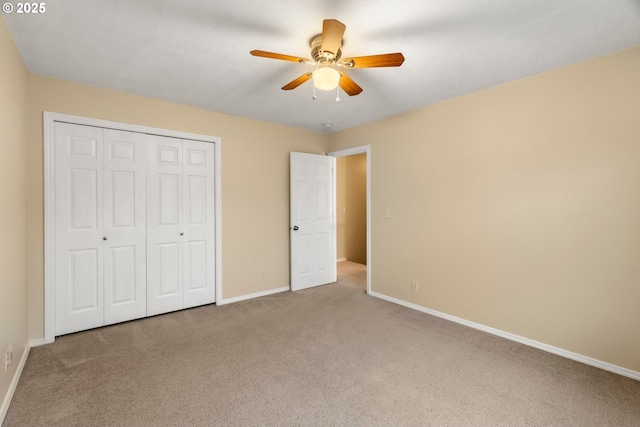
x=105, y=238
x=182, y=234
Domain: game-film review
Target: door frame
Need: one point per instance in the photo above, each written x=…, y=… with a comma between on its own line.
x=49, y=119
x=366, y=149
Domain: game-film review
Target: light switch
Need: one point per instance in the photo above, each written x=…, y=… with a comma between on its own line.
x=387, y=213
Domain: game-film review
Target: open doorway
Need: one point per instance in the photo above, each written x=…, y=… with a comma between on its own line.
x=352, y=217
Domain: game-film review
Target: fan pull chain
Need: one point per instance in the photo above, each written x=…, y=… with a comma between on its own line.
x=337, y=93
x=314, y=93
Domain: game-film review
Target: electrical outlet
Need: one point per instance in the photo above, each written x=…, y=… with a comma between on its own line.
x=8, y=356
x=414, y=286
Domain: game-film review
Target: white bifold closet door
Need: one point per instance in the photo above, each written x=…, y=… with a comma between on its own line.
x=180, y=224
x=100, y=227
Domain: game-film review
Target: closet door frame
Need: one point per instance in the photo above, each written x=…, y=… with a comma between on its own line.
x=49, y=119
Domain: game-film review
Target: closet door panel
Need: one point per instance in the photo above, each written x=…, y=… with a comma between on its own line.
x=124, y=226
x=199, y=197
x=78, y=228
x=83, y=280
x=165, y=268
x=168, y=270
x=123, y=290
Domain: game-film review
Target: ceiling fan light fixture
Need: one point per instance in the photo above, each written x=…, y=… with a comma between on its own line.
x=326, y=51
x=325, y=77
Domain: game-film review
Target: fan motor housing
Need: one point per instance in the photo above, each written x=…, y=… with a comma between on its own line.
x=319, y=55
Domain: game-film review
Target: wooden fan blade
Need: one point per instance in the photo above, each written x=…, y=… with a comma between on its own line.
x=332, y=32
x=273, y=55
x=297, y=82
x=349, y=86
x=384, y=60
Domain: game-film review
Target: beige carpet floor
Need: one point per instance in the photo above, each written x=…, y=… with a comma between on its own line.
x=352, y=274
x=326, y=356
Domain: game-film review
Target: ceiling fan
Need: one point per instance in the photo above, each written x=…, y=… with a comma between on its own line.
x=326, y=53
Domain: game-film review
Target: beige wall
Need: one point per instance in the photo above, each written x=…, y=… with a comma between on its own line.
x=255, y=180
x=351, y=207
x=356, y=199
x=518, y=207
x=341, y=208
x=13, y=207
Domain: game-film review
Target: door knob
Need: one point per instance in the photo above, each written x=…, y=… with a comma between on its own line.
x=105, y=238
x=182, y=234
x=295, y=228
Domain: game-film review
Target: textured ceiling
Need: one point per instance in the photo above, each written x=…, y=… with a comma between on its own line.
x=196, y=52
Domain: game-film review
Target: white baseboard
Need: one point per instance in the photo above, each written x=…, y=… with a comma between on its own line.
x=37, y=343
x=254, y=295
x=526, y=341
x=14, y=383
x=341, y=259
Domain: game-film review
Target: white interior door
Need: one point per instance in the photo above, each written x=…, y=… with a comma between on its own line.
x=125, y=256
x=198, y=211
x=164, y=225
x=180, y=224
x=78, y=228
x=100, y=227
x=312, y=229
